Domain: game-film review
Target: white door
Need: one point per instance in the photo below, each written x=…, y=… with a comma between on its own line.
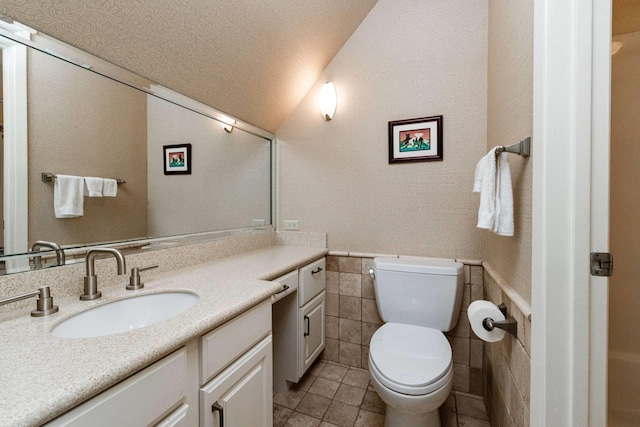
x=570, y=211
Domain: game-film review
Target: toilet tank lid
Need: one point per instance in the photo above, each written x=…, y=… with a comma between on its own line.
x=419, y=265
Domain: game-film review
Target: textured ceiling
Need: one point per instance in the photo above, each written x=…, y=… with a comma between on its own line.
x=254, y=60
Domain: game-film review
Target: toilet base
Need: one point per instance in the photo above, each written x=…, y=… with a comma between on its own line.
x=395, y=417
x=412, y=411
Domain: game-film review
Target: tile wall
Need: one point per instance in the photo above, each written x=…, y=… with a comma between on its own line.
x=352, y=318
x=507, y=363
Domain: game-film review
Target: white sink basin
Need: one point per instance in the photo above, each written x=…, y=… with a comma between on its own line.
x=125, y=315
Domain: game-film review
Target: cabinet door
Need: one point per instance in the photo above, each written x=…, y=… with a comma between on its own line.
x=311, y=324
x=242, y=394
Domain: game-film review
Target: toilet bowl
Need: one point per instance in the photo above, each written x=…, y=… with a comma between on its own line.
x=412, y=371
x=410, y=359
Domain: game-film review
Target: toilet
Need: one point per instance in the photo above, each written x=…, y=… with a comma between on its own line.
x=409, y=356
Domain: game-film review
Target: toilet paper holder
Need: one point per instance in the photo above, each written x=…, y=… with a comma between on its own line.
x=509, y=325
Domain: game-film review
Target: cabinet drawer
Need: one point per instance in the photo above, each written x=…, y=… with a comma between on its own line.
x=137, y=401
x=224, y=344
x=289, y=283
x=312, y=281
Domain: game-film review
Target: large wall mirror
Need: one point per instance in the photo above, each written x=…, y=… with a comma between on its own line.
x=87, y=118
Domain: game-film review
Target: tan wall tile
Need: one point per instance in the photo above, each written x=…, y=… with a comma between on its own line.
x=351, y=307
x=350, y=265
x=332, y=304
x=367, y=264
x=460, y=350
x=350, y=331
x=332, y=327
x=331, y=350
x=461, y=377
x=476, y=275
x=351, y=284
x=368, y=290
x=333, y=282
x=370, y=311
x=350, y=354
x=332, y=263
x=368, y=330
x=462, y=328
x=475, y=353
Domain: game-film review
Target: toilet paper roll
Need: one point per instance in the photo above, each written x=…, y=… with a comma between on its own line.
x=480, y=310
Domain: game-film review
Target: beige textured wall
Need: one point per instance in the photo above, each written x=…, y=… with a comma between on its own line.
x=624, y=291
x=509, y=120
x=406, y=60
x=86, y=125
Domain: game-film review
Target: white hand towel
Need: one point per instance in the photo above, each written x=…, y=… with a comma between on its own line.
x=504, y=198
x=68, y=196
x=485, y=184
x=110, y=187
x=493, y=182
x=94, y=186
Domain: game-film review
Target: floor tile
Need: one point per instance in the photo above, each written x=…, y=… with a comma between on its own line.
x=369, y=419
x=317, y=366
x=300, y=420
x=341, y=414
x=313, y=405
x=280, y=415
x=290, y=399
x=333, y=372
x=373, y=403
x=326, y=424
x=448, y=419
x=350, y=395
x=324, y=387
x=471, y=406
x=357, y=378
x=305, y=382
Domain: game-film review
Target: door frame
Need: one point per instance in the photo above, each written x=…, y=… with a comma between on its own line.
x=15, y=179
x=570, y=211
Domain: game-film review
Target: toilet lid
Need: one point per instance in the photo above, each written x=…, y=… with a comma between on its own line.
x=410, y=359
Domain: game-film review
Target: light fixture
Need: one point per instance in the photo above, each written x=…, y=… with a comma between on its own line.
x=328, y=101
x=227, y=123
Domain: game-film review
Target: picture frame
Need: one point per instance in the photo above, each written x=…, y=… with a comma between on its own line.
x=416, y=140
x=177, y=159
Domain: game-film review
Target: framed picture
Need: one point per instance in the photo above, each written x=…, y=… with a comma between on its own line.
x=415, y=140
x=177, y=159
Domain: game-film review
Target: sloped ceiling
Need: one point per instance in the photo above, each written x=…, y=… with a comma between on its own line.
x=254, y=60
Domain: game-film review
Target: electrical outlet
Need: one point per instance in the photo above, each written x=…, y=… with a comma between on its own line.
x=259, y=222
x=291, y=224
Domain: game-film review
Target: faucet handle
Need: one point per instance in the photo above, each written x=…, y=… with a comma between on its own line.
x=134, y=280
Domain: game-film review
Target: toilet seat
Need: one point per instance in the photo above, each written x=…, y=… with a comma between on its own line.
x=410, y=359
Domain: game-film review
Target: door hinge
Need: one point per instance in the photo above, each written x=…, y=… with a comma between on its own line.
x=601, y=264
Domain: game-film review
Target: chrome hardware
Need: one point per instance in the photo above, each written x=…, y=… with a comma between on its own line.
x=91, y=280
x=522, y=148
x=510, y=325
x=372, y=274
x=37, y=260
x=217, y=407
x=49, y=177
x=134, y=280
x=601, y=264
x=317, y=271
x=307, y=326
x=44, y=303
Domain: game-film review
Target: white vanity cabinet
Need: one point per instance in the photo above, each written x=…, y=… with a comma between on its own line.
x=226, y=372
x=298, y=324
x=238, y=391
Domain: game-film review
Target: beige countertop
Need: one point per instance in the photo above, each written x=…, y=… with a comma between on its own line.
x=43, y=376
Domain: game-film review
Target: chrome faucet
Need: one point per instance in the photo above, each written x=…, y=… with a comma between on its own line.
x=91, y=280
x=60, y=260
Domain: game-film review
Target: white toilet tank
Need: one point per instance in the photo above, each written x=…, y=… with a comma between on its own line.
x=419, y=291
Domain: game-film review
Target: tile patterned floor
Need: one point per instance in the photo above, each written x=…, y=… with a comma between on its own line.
x=331, y=394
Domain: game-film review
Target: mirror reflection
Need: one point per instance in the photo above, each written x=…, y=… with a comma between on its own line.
x=83, y=124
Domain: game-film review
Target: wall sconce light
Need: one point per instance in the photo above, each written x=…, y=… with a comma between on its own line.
x=328, y=101
x=227, y=123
